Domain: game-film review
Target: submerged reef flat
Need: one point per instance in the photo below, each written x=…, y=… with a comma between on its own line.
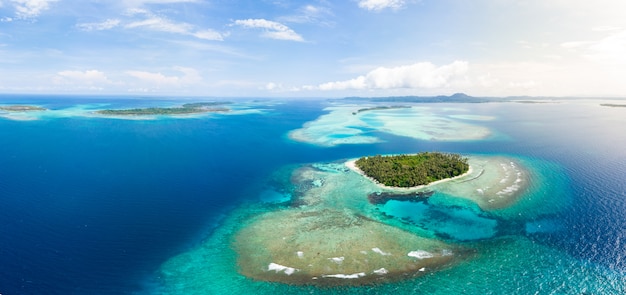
x=21, y=108
x=332, y=247
x=333, y=234
x=350, y=124
x=190, y=108
x=494, y=182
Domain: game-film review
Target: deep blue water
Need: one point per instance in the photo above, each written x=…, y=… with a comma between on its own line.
x=95, y=205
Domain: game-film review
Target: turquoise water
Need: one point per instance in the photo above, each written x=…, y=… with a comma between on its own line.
x=94, y=205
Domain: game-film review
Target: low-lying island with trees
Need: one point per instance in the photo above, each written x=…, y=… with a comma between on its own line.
x=412, y=170
x=21, y=108
x=185, y=109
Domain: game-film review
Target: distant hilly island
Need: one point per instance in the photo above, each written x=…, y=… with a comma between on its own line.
x=455, y=98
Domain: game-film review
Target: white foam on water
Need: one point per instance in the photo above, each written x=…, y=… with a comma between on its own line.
x=420, y=254
x=300, y=254
x=381, y=271
x=281, y=268
x=337, y=260
x=344, y=276
x=381, y=252
x=509, y=190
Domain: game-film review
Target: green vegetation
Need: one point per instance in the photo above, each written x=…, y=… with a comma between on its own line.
x=21, y=108
x=413, y=170
x=199, y=105
x=189, y=108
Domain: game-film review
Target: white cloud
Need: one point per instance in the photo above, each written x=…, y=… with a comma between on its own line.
x=419, y=75
x=525, y=85
x=271, y=86
x=142, y=2
x=156, y=23
x=278, y=88
x=273, y=30
x=610, y=49
x=88, y=77
x=26, y=9
x=605, y=28
x=158, y=79
x=154, y=78
x=310, y=14
x=574, y=44
x=209, y=35
x=377, y=5
x=105, y=25
x=162, y=24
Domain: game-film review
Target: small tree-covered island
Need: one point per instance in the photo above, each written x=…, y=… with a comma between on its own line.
x=21, y=108
x=188, y=108
x=412, y=170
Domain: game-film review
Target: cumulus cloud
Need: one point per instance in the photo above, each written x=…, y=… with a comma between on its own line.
x=273, y=30
x=418, y=75
x=609, y=49
x=27, y=9
x=105, y=25
x=377, y=5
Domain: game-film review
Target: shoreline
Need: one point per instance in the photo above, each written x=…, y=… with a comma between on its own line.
x=351, y=164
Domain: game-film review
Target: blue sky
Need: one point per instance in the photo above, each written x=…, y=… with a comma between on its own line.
x=314, y=48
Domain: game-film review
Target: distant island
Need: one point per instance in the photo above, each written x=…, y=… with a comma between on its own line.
x=188, y=108
x=457, y=97
x=613, y=105
x=380, y=108
x=412, y=170
x=21, y=108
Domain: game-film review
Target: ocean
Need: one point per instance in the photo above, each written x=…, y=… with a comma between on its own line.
x=107, y=205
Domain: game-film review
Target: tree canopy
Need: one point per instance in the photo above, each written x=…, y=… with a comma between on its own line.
x=413, y=170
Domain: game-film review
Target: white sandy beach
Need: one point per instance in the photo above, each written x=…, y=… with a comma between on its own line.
x=352, y=165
